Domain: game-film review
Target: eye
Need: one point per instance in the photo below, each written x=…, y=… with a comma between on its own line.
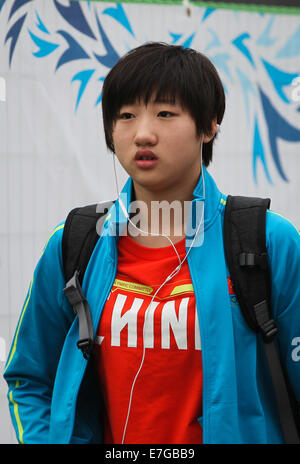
x=166, y=114
x=125, y=116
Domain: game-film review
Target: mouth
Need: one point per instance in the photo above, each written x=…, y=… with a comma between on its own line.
x=145, y=159
x=145, y=155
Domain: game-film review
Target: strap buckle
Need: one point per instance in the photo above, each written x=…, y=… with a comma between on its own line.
x=269, y=330
x=266, y=325
x=81, y=307
x=73, y=291
x=251, y=260
x=86, y=346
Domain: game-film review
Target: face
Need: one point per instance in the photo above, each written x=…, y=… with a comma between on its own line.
x=158, y=146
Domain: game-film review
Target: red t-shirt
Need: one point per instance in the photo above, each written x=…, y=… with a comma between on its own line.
x=167, y=395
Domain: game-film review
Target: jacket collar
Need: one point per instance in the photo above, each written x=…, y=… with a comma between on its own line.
x=205, y=192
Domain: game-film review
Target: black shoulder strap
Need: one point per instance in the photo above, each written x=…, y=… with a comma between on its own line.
x=80, y=236
x=245, y=249
x=246, y=255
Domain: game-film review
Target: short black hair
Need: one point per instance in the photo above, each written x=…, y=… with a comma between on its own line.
x=171, y=73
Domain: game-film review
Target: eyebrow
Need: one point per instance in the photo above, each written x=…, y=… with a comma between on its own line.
x=173, y=101
x=156, y=102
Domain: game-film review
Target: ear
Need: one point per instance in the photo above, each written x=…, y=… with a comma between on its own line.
x=208, y=138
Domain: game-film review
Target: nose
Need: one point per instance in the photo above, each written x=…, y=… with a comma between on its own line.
x=146, y=133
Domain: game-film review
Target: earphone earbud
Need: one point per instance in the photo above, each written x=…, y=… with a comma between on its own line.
x=218, y=129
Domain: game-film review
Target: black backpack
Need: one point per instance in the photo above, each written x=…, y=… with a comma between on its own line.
x=247, y=260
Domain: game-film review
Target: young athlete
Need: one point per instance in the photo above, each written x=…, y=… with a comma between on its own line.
x=173, y=360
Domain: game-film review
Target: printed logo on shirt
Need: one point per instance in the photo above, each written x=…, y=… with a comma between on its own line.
x=132, y=287
x=168, y=323
x=145, y=289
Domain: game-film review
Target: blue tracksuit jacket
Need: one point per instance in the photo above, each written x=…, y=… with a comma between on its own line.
x=53, y=392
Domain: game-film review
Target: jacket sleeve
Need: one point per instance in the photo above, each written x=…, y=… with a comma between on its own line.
x=36, y=346
x=283, y=243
